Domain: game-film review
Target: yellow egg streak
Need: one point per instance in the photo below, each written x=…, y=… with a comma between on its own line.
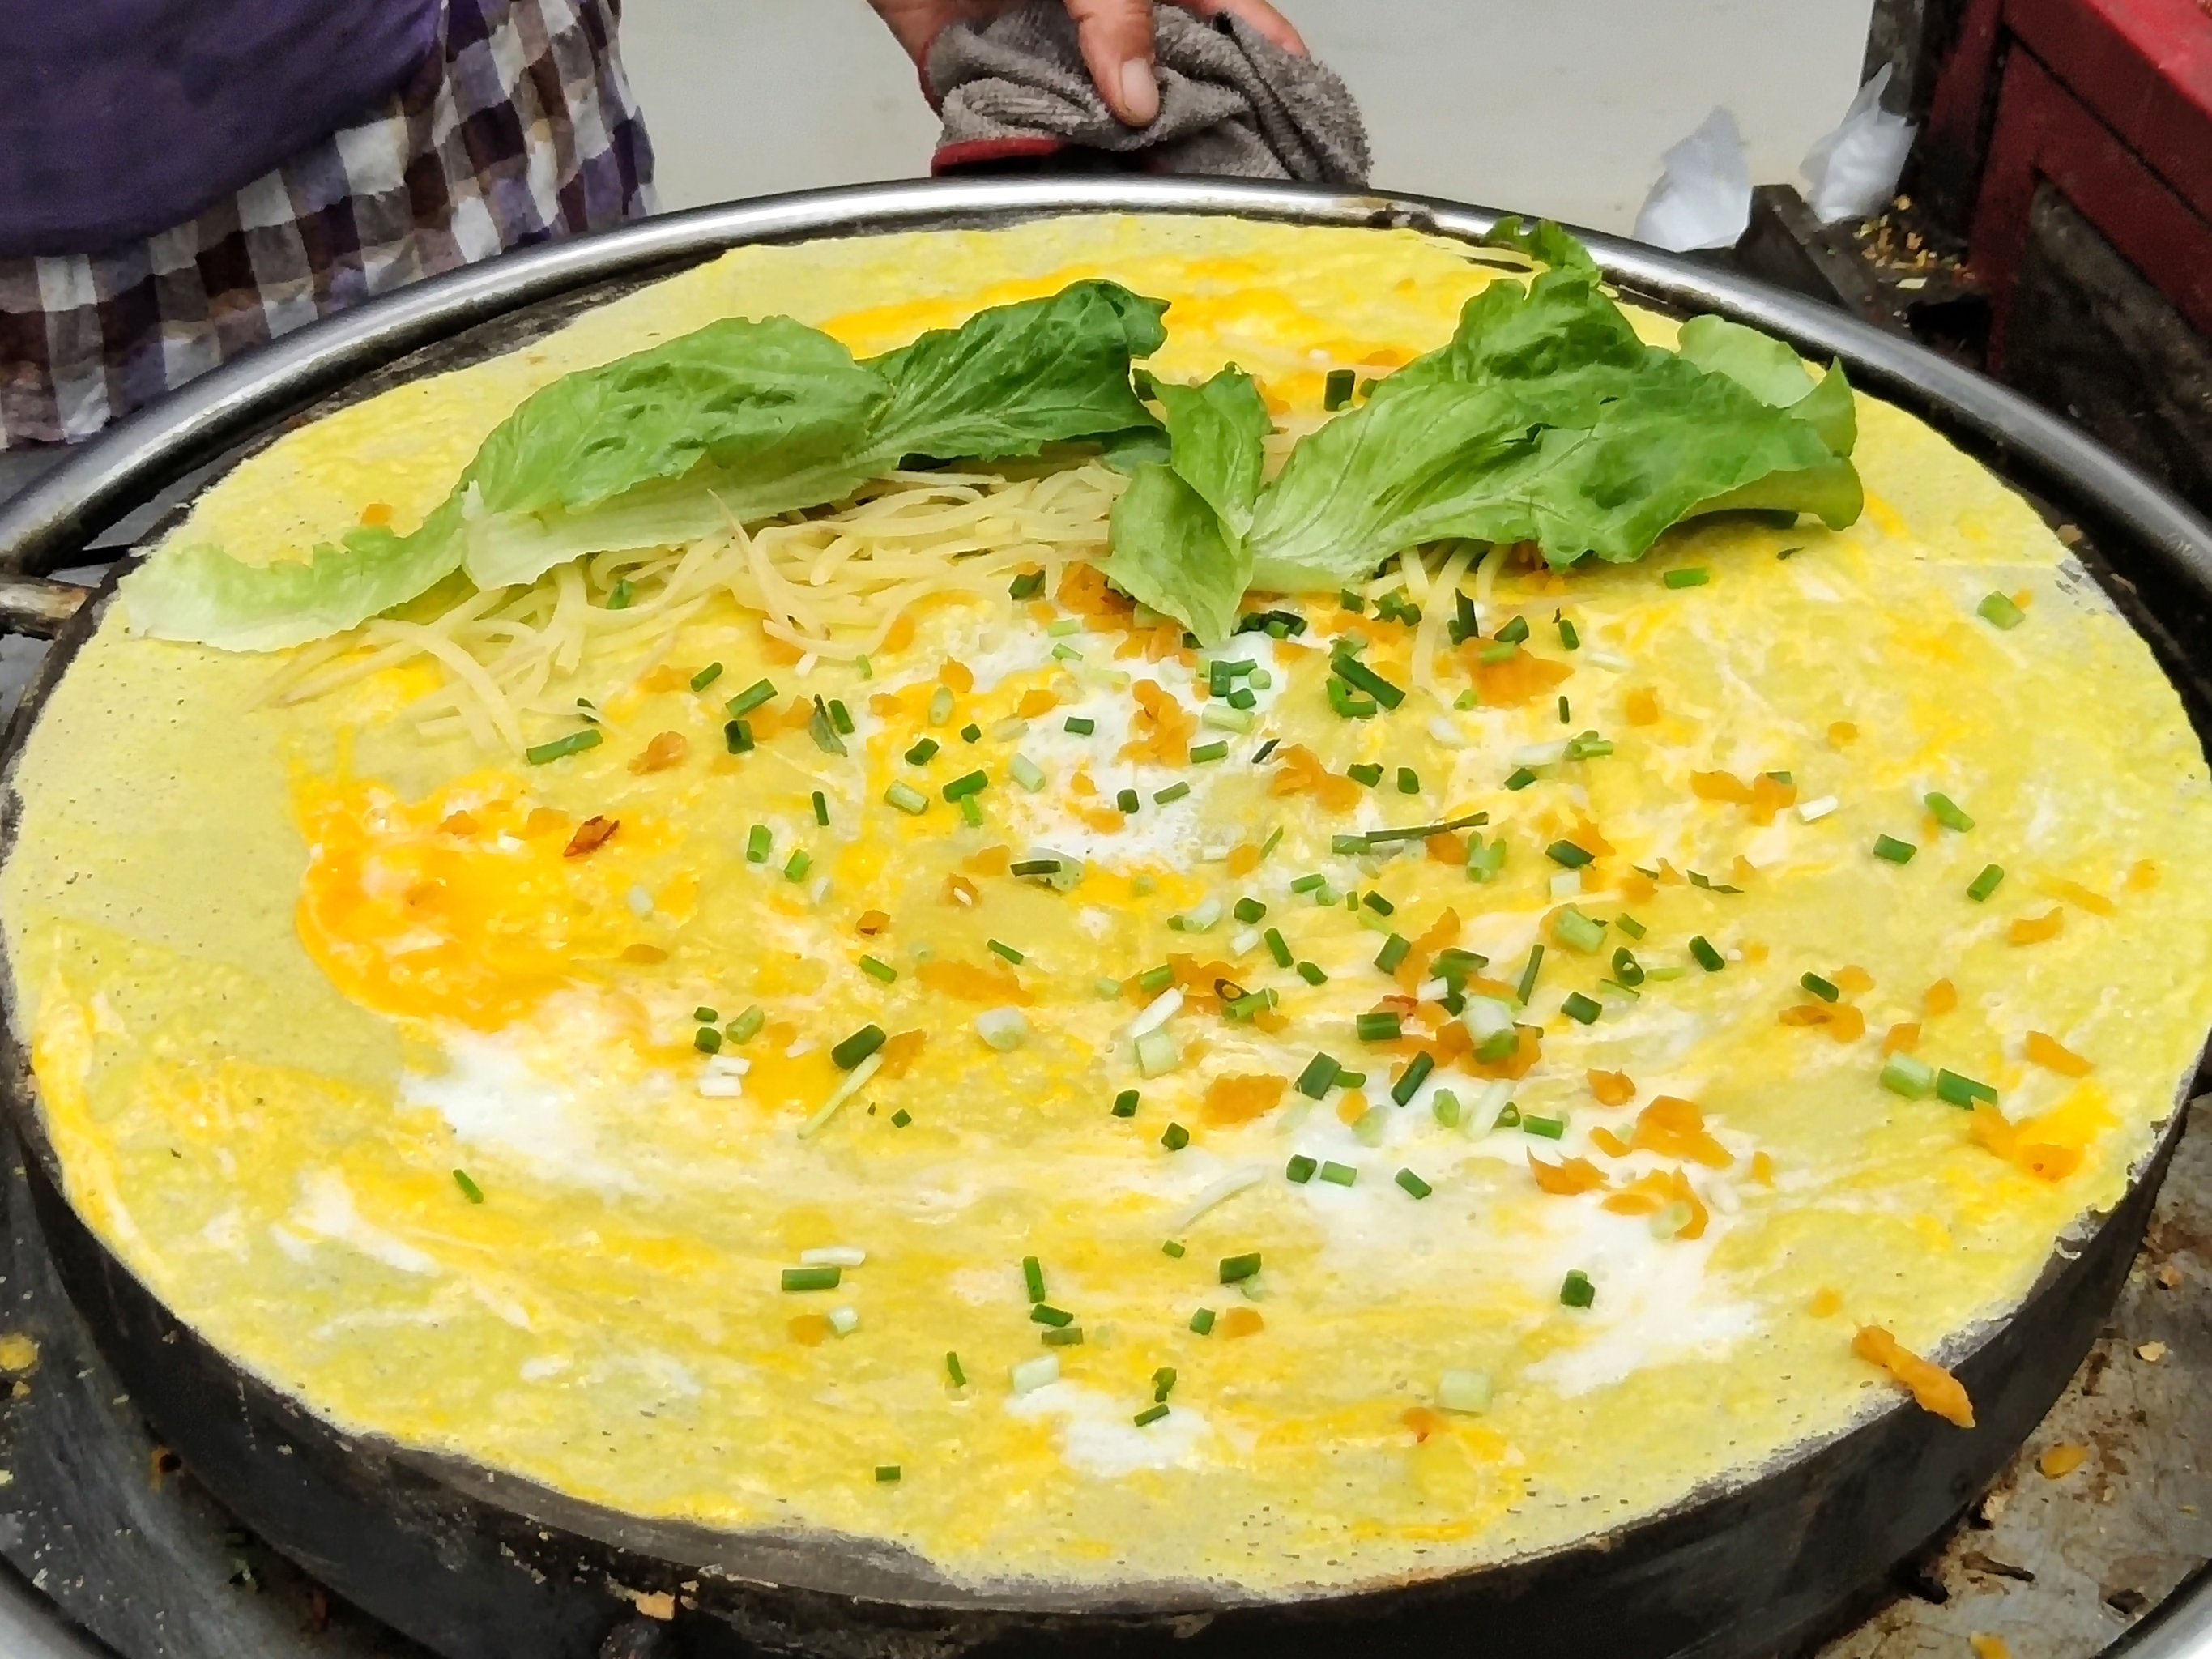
x=254, y=955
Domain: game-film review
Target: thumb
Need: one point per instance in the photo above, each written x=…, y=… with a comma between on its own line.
x=1117, y=49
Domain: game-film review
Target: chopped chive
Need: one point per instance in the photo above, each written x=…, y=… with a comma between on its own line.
x=1959, y=1090
x=1526, y=988
x=574, y=744
x=1204, y=752
x=1985, y=883
x=1082, y=725
x=1311, y=973
x=1125, y=1104
x=821, y=726
x=1896, y=851
x=1309, y=883
x=1520, y=778
x=971, y=732
x=1320, y=1071
x=1243, y=699
x=968, y=784
x=1364, y=774
x=1300, y=1169
x=841, y=717
x=1044, y=1313
x=1236, y=1268
x=907, y=799
x=858, y=1046
x=1377, y=903
x=876, y=969
x=1248, y=909
x=1581, y=1008
x=1902, y=1074
x=759, y=840
x=1347, y=706
x=796, y=866
x=470, y=1190
x=1626, y=968
x=820, y=809
x=1999, y=611
x=1128, y=800
x=1413, y=1183
x=1348, y=600
x=1588, y=746
x=1568, y=637
x=1027, y=585
x=1409, y=781
x=1336, y=390
x=751, y=697
x=1033, y=1277
x=1514, y=632
x=1566, y=714
x=1504, y=652
x=824, y=1278
x=1339, y=1175
x=1174, y=792
x=1948, y=813
x=1175, y=1137
x=1444, y=1104
x=1498, y=1045
x=1173, y=1247
x=704, y=1015
x=901, y=1118
x=971, y=813
x=1378, y=1027
x=1265, y=750
x=1026, y=772
x=1708, y=959
x=1071, y=1337
x=1163, y=1381
x=1351, y=1079
x=746, y=1026
x=924, y=751
x=1395, y=949
x=705, y=677
x=1357, y=675
x=737, y=736
x=1629, y=925
x=1415, y=1074
x=1150, y=1414
x=1202, y=1322
x=1695, y=576
x=1820, y=988
x=1566, y=852
x=1549, y=1129
x=1276, y=947
x=1006, y=950
x=953, y=1370
x=1576, y=1290
x=887, y=1475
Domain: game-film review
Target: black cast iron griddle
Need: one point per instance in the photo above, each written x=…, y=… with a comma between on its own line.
x=478, y=1565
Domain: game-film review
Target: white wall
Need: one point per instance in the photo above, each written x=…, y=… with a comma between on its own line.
x=1560, y=107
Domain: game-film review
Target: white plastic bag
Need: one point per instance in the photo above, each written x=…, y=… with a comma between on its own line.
x=1703, y=198
x=1854, y=170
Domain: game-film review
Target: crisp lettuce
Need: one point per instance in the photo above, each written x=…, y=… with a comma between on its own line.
x=739, y=421
x=1178, y=537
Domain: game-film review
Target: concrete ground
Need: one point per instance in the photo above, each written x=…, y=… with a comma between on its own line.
x=1560, y=108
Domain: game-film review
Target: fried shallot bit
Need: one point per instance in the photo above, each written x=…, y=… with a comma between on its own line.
x=1935, y=1388
x=871, y=922
x=665, y=750
x=592, y=834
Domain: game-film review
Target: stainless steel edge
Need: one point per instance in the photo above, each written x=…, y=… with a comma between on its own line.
x=2179, y=1627
x=32, y=1627
x=40, y=527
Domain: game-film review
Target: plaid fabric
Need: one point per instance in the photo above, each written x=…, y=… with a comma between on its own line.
x=518, y=129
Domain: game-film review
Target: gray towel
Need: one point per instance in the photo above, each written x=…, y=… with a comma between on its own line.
x=1231, y=101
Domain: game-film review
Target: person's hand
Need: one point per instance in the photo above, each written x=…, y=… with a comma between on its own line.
x=1116, y=34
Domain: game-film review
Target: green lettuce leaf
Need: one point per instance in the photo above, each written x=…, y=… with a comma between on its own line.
x=1178, y=531
x=1775, y=374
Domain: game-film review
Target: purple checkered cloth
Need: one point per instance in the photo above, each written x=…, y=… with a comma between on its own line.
x=518, y=128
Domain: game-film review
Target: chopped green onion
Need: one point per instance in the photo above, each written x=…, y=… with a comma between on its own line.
x=1173, y=1247
x=858, y=1046
x=1320, y=1071
x=1566, y=711
x=796, y=866
x=953, y=1372
x=1579, y=932
x=1351, y=1079
x=1413, y=1183
x=1409, y=781
x=1568, y=637
x=1464, y=1391
x=470, y=1190
x=1395, y=949
x=1153, y=981
x=1549, y=1129
x=887, y=1474
x=1157, y=1053
x=1629, y=925
x=1985, y=883
x=1248, y=909
x=901, y=1118
x=1163, y=1381
x=1347, y=706
x=940, y=705
x=1957, y=1090
x=1311, y=973
x=1520, y=778
x=820, y=809
x=1708, y=959
x=1581, y=1008
x=1128, y=800
x=706, y=1040
x=751, y=697
x=574, y=744
x=1365, y=774
x=1225, y=717
x=737, y=736
x=1006, y=950
x=1174, y=792
x=1033, y=1277
x=1244, y=700
x=877, y=969
x=1204, y=752
x=1202, y=1322
x=1027, y=585
x=1175, y=1137
x=1820, y=988
x=1444, y=1106
x=971, y=813
x=1082, y=725
x=969, y=784
x=1903, y=1075
x=746, y=1026
x=1125, y=1104
x=1695, y=576
x=1415, y=1074
x=1336, y=390
x=1588, y=746
x=924, y=751
x=1045, y=1314
x=1514, y=632
x=1307, y=883
x=1276, y=946
x=1339, y=1175
x=1502, y=653
x=1374, y=838
x=1577, y=1290
x=1485, y=860
x=825, y=1278
x=1999, y=611
x=1299, y=1170
x=704, y=1015
x=705, y=677
x=1566, y=852
x=841, y=717
x=1236, y=1268
x=1149, y=1415
x=1626, y=968
x=1377, y=903
x=1527, y=986
x=907, y=799
x=1003, y=1029
x=1360, y=677
x=759, y=840
x=1948, y=813
x=1378, y=1027
x=1896, y=851
x=971, y=732
x=1070, y=1338
x=1348, y=600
